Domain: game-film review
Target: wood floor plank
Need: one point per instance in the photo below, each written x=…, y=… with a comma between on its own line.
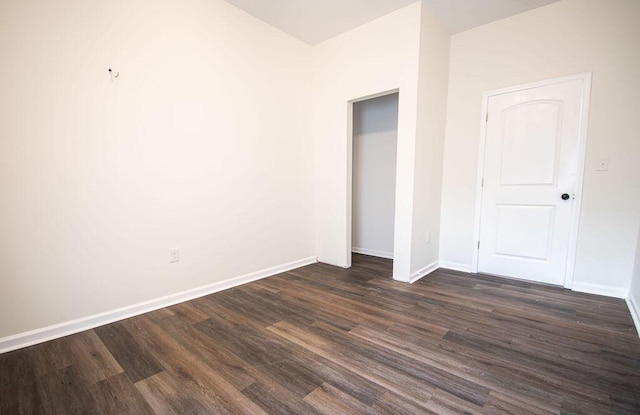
x=577, y=381
x=340, y=377
x=412, y=389
x=64, y=392
x=274, y=400
x=188, y=369
x=329, y=400
x=136, y=361
x=170, y=396
x=234, y=370
x=393, y=404
x=499, y=403
x=444, y=403
x=118, y=396
x=18, y=383
x=93, y=360
x=297, y=379
x=328, y=340
x=427, y=373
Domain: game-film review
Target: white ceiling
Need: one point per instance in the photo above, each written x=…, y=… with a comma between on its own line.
x=459, y=15
x=314, y=21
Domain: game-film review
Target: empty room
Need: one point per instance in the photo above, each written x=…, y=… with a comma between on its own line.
x=320, y=207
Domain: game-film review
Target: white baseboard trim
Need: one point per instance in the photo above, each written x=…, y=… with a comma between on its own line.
x=371, y=252
x=55, y=331
x=585, y=287
x=457, y=267
x=634, y=309
x=423, y=272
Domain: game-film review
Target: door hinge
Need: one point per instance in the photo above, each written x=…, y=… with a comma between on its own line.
x=482, y=182
x=487, y=118
x=478, y=244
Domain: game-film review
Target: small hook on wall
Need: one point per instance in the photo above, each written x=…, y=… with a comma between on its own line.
x=113, y=75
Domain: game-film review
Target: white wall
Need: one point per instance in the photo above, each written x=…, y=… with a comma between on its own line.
x=634, y=292
x=201, y=143
x=567, y=37
x=375, y=139
x=377, y=57
x=432, y=104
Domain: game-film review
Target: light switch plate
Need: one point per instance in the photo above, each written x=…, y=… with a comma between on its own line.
x=174, y=255
x=603, y=165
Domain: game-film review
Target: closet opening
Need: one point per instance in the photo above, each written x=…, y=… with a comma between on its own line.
x=373, y=169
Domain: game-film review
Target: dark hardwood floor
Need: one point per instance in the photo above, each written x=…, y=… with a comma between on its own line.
x=324, y=340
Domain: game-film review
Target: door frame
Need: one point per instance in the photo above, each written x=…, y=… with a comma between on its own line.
x=577, y=191
x=349, y=217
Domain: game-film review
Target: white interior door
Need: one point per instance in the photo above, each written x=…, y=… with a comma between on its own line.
x=530, y=181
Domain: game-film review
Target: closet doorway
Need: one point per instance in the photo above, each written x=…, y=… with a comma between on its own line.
x=374, y=159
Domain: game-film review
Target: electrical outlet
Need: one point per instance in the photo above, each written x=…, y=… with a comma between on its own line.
x=174, y=255
x=428, y=236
